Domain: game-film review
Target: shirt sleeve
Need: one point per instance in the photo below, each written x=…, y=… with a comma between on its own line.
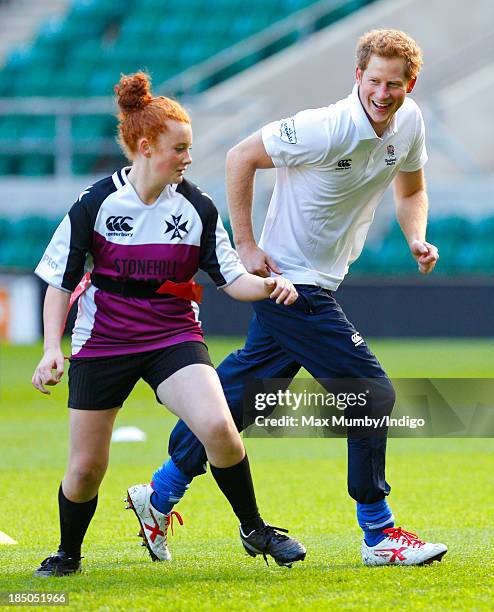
x=218, y=258
x=64, y=259
x=417, y=156
x=299, y=140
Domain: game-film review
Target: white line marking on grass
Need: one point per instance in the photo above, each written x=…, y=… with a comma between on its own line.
x=5, y=539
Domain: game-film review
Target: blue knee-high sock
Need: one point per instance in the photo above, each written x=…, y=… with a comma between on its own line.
x=169, y=484
x=373, y=518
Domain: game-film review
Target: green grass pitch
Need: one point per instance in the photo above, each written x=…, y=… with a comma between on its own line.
x=442, y=490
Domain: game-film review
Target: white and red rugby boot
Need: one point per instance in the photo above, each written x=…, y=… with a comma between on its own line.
x=401, y=547
x=154, y=524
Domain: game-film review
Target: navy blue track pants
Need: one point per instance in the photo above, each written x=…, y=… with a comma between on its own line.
x=313, y=333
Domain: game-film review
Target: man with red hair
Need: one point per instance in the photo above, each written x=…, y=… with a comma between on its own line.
x=333, y=165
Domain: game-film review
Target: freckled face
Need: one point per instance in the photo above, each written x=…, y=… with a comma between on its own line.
x=383, y=87
x=170, y=156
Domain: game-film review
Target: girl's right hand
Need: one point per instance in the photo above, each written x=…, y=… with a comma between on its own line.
x=49, y=370
x=280, y=289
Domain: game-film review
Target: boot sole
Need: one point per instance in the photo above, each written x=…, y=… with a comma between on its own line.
x=253, y=552
x=437, y=558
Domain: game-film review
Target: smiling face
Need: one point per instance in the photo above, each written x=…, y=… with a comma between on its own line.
x=382, y=89
x=170, y=155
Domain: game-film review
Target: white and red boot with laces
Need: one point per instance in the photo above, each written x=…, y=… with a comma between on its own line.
x=154, y=524
x=401, y=547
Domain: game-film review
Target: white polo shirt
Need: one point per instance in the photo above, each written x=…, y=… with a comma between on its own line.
x=331, y=173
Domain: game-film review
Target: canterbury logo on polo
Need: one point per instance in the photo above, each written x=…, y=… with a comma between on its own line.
x=357, y=339
x=119, y=226
x=344, y=164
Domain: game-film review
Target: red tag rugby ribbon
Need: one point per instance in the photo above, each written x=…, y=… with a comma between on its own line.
x=188, y=291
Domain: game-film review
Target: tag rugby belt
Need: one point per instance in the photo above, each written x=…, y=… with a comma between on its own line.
x=139, y=289
x=148, y=289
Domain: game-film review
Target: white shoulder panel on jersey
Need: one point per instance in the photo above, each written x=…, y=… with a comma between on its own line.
x=52, y=266
x=229, y=262
x=85, y=192
x=86, y=314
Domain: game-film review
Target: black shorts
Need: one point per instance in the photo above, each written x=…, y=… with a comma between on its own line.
x=98, y=383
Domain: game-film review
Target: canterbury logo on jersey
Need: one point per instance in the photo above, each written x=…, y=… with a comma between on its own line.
x=357, y=339
x=118, y=225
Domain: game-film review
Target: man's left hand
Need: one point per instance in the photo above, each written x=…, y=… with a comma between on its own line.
x=425, y=254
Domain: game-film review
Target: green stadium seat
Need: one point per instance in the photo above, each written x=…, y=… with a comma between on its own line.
x=292, y=6
x=194, y=53
x=137, y=40
x=83, y=163
x=222, y=7
x=9, y=254
x=6, y=168
x=87, y=127
x=35, y=82
x=19, y=58
x=100, y=10
x=484, y=229
x=44, y=56
x=244, y=26
x=152, y=5
x=51, y=32
x=88, y=52
x=126, y=57
x=36, y=165
x=170, y=26
x=101, y=83
x=74, y=84
x=6, y=84
x=458, y=228
x=25, y=240
x=10, y=127
x=4, y=226
x=42, y=127
x=76, y=30
x=162, y=70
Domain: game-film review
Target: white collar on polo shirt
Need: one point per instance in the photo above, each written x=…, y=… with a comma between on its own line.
x=362, y=123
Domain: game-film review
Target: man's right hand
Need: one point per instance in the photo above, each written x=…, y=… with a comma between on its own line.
x=256, y=261
x=49, y=370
